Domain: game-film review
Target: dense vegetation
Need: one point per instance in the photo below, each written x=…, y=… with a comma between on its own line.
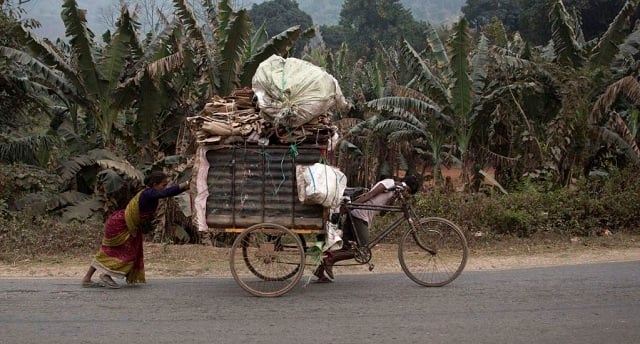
x=102, y=13
x=530, y=17
x=327, y=12
x=82, y=119
x=589, y=208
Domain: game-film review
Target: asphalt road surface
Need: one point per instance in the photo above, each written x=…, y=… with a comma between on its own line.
x=571, y=304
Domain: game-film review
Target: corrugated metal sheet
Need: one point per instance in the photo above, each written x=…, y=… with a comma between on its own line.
x=255, y=184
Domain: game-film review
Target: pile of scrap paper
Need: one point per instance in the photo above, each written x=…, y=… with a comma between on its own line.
x=292, y=101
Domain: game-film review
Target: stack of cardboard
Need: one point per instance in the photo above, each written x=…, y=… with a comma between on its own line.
x=236, y=119
x=225, y=119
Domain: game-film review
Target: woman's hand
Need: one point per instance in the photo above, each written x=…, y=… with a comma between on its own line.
x=184, y=185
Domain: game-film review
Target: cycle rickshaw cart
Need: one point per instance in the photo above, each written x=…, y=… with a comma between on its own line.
x=251, y=190
x=249, y=145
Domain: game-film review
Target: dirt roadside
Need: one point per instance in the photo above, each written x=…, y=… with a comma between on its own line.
x=164, y=261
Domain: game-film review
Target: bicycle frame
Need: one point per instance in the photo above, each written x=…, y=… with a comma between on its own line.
x=405, y=208
x=432, y=251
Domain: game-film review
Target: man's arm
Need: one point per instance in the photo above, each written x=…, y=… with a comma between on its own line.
x=378, y=189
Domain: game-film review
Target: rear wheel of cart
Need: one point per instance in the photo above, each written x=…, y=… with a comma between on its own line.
x=267, y=260
x=280, y=244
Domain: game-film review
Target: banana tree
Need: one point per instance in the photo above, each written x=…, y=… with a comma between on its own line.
x=24, y=104
x=84, y=75
x=457, y=97
x=582, y=66
x=227, y=55
x=441, y=95
x=359, y=140
x=615, y=127
x=88, y=76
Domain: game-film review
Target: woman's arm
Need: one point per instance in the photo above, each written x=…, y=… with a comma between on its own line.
x=169, y=191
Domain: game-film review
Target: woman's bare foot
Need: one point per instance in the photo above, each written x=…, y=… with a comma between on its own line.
x=87, y=277
x=109, y=282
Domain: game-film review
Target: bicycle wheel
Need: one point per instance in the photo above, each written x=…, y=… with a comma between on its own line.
x=267, y=259
x=434, y=253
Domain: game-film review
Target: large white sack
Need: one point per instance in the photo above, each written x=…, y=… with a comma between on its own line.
x=320, y=184
x=292, y=92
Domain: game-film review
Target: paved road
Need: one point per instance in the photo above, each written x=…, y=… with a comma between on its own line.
x=572, y=304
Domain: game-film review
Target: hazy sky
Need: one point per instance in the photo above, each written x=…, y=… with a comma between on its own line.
x=48, y=13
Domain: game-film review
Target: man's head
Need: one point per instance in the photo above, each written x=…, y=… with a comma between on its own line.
x=412, y=183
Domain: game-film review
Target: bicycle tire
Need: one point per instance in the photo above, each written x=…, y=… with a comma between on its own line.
x=448, y=256
x=266, y=260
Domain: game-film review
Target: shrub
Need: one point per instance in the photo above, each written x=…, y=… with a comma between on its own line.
x=513, y=221
x=589, y=206
x=26, y=187
x=23, y=237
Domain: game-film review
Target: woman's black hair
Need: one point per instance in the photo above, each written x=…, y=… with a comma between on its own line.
x=412, y=182
x=156, y=177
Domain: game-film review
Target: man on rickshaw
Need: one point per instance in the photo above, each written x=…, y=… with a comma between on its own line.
x=356, y=228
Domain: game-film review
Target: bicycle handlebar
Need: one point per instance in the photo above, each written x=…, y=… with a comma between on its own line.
x=398, y=188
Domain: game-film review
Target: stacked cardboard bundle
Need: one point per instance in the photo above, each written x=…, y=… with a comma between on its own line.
x=225, y=119
x=237, y=119
x=318, y=129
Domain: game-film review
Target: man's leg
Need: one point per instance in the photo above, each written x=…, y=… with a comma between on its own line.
x=336, y=256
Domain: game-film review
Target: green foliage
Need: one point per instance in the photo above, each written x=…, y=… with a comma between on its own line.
x=615, y=198
x=27, y=187
x=455, y=96
x=279, y=44
x=531, y=17
x=587, y=137
x=618, y=29
x=327, y=12
x=594, y=204
x=28, y=149
x=512, y=221
x=496, y=33
x=472, y=100
x=367, y=26
x=19, y=96
x=12, y=15
x=481, y=13
x=224, y=56
x=462, y=93
x=25, y=237
x=564, y=36
x=81, y=39
x=233, y=45
x=278, y=16
x=84, y=74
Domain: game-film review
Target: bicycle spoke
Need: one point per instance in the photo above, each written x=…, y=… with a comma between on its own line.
x=434, y=254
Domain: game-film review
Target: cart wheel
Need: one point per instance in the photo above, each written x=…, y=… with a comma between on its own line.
x=267, y=260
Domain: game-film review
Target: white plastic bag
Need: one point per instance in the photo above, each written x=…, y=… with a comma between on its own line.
x=293, y=92
x=320, y=184
x=333, y=240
